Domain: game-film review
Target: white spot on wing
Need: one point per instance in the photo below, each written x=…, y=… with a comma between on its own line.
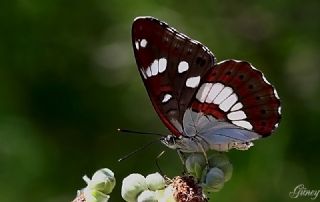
x=143, y=43
x=183, y=66
x=279, y=109
x=137, y=45
x=148, y=72
x=228, y=103
x=226, y=92
x=237, y=106
x=162, y=64
x=237, y=115
x=157, y=66
x=203, y=92
x=154, y=67
x=244, y=124
x=193, y=82
x=166, y=98
x=214, y=91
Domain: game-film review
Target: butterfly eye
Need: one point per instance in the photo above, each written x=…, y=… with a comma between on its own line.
x=171, y=140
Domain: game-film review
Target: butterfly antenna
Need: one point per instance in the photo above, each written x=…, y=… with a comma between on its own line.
x=137, y=150
x=138, y=132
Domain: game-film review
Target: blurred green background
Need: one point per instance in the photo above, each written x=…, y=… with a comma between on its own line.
x=68, y=79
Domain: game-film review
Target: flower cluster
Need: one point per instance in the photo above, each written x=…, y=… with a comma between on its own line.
x=203, y=175
x=137, y=188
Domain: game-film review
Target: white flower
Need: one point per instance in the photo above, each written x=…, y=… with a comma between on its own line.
x=195, y=164
x=155, y=181
x=132, y=186
x=103, y=181
x=147, y=196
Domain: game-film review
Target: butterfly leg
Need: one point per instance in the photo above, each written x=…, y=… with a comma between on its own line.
x=183, y=160
x=206, y=169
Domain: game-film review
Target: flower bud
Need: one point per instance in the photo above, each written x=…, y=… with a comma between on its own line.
x=132, y=186
x=155, y=181
x=214, y=180
x=227, y=170
x=103, y=181
x=147, y=196
x=217, y=159
x=195, y=164
x=221, y=161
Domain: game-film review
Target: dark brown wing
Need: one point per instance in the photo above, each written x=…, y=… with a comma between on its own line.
x=236, y=92
x=171, y=66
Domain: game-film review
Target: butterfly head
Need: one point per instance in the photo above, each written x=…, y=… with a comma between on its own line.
x=170, y=141
x=182, y=143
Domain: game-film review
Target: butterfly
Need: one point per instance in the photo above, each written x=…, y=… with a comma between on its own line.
x=204, y=104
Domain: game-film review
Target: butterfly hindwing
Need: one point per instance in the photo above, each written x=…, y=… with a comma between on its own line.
x=236, y=92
